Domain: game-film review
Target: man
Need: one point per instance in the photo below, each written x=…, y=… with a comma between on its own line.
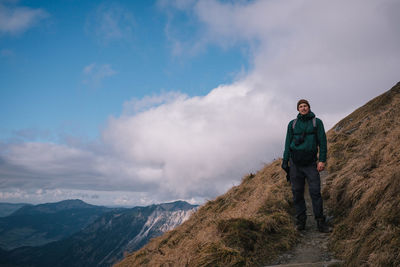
x=303, y=138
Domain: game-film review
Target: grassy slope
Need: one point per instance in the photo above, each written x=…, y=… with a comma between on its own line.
x=248, y=225
x=251, y=224
x=363, y=188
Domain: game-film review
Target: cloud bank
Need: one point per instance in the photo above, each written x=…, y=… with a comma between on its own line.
x=337, y=54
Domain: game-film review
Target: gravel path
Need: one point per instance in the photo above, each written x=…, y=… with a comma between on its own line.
x=312, y=248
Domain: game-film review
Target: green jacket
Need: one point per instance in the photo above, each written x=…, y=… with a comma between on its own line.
x=305, y=124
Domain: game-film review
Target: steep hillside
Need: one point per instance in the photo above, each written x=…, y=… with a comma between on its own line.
x=248, y=225
x=103, y=242
x=363, y=188
x=251, y=223
x=40, y=224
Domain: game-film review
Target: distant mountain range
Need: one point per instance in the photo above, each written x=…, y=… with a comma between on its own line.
x=103, y=241
x=40, y=224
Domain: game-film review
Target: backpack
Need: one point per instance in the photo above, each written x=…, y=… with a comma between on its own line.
x=314, y=123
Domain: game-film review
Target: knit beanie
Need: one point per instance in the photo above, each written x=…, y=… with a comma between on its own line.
x=303, y=101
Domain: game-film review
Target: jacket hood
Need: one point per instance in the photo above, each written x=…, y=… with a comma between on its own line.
x=309, y=116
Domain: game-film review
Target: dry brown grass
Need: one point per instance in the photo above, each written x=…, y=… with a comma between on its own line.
x=363, y=188
x=247, y=226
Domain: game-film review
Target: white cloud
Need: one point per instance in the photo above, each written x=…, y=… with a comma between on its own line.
x=94, y=74
x=338, y=50
x=337, y=54
x=200, y=145
x=110, y=22
x=135, y=105
x=17, y=19
x=13, y=194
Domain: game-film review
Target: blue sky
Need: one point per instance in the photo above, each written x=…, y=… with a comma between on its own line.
x=128, y=48
x=140, y=102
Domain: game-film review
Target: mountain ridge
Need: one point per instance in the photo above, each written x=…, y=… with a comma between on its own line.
x=54, y=207
x=35, y=225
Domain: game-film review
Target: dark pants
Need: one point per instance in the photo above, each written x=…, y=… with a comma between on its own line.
x=298, y=174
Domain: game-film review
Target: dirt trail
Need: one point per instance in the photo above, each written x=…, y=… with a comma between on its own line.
x=312, y=248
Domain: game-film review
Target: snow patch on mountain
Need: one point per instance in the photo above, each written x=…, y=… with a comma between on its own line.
x=160, y=221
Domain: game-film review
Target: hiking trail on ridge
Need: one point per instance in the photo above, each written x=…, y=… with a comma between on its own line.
x=312, y=248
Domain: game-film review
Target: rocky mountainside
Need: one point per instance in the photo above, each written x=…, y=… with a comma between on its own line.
x=252, y=223
x=40, y=224
x=105, y=241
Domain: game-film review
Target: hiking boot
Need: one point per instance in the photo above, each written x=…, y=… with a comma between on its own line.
x=301, y=222
x=322, y=226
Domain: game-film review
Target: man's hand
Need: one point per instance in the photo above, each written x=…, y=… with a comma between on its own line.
x=321, y=166
x=285, y=166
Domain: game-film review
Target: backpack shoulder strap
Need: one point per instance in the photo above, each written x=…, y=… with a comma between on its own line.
x=314, y=121
x=294, y=123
